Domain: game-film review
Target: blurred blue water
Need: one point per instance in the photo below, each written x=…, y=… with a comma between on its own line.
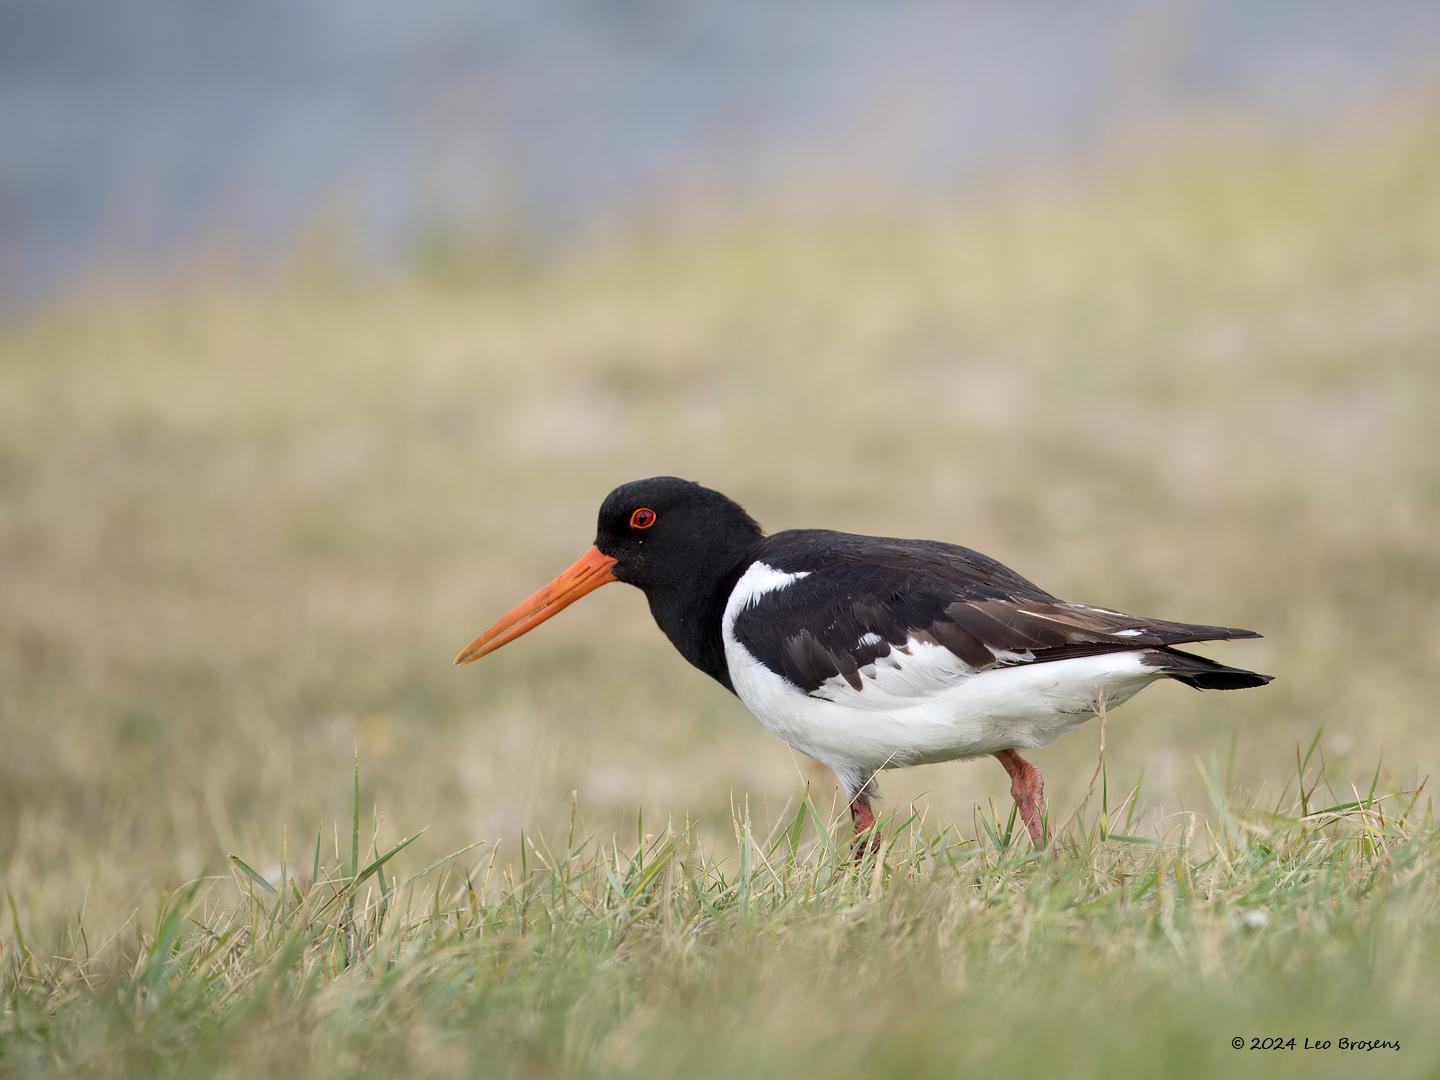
x=137, y=134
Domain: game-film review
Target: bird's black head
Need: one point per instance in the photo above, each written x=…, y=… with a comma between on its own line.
x=666, y=532
x=673, y=539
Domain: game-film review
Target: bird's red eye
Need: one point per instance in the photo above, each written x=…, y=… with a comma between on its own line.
x=642, y=518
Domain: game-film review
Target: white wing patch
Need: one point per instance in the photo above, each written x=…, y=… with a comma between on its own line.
x=1011, y=656
x=904, y=676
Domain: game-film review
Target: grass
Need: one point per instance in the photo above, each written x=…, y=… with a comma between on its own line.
x=604, y=957
x=244, y=527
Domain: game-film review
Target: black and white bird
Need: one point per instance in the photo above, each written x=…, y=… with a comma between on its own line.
x=867, y=652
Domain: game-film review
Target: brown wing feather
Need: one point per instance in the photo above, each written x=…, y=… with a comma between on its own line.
x=1037, y=631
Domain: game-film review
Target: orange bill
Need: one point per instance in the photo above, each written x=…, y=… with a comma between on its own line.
x=590, y=571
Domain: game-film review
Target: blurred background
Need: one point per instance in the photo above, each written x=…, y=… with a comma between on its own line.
x=325, y=329
x=137, y=136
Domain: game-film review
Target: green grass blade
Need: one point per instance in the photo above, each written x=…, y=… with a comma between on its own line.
x=158, y=959
x=253, y=874
x=355, y=821
x=440, y=862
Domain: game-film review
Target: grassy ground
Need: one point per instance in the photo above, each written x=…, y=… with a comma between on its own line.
x=244, y=529
x=939, y=953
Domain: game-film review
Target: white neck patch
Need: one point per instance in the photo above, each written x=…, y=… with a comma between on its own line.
x=756, y=582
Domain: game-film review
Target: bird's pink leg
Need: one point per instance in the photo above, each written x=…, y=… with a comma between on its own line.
x=1028, y=790
x=864, y=819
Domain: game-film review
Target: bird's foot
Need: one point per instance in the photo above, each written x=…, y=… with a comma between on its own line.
x=867, y=837
x=1027, y=788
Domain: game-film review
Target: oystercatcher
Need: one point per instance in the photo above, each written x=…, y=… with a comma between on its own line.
x=868, y=652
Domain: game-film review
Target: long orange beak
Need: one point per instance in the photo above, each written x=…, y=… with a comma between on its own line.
x=590, y=571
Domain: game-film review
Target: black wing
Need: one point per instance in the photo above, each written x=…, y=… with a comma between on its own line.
x=863, y=597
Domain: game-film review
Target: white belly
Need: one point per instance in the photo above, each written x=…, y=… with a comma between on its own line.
x=1010, y=708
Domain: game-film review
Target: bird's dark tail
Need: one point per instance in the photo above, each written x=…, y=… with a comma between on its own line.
x=1202, y=673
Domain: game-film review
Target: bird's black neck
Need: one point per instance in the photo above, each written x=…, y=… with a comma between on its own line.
x=690, y=613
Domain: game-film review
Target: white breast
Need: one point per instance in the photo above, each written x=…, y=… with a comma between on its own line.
x=923, y=704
